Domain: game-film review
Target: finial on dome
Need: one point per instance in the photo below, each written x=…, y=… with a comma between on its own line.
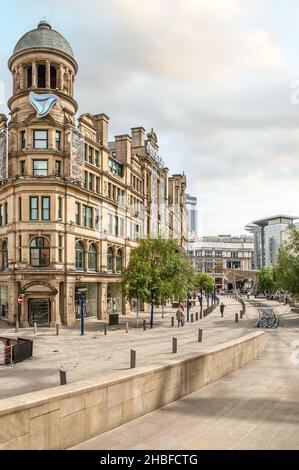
x=44, y=24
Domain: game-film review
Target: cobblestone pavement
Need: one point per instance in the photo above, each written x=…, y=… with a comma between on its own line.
x=101, y=357
x=255, y=407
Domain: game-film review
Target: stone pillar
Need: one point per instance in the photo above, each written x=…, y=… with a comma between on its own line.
x=48, y=74
x=21, y=77
x=125, y=306
x=55, y=317
x=24, y=316
x=103, y=265
x=60, y=78
x=114, y=259
x=86, y=247
x=12, y=301
x=34, y=75
x=71, y=84
x=69, y=314
x=102, y=310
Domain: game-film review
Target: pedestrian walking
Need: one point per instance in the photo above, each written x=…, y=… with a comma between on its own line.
x=180, y=317
x=222, y=308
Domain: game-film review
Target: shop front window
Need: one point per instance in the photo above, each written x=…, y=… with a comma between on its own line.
x=4, y=301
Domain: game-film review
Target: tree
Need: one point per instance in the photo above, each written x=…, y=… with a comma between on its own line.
x=204, y=282
x=267, y=279
x=287, y=269
x=158, y=270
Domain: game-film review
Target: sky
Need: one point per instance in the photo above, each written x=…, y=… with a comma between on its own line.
x=218, y=80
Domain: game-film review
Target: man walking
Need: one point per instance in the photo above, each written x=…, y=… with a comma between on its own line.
x=222, y=308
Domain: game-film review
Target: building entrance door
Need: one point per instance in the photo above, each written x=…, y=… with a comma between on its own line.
x=39, y=311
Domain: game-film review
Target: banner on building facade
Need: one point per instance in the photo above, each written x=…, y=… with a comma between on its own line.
x=154, y=204
x=77, y=154
x=3, y=153
x=163, y=209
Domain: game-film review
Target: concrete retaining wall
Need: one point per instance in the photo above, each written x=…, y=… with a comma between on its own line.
x=61, y=417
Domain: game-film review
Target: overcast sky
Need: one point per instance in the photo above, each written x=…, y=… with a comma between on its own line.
x=212, y=77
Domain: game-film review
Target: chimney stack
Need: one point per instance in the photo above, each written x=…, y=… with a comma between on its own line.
x=138, y=134
x=102, y=123
x=123, y=147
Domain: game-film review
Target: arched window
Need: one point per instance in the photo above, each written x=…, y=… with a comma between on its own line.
x=80, y=256
x=119, y=261
x=41, y=76
x=92, y=258
x=4, y=256
x=110, y=260
x=53, y=76
x=29, y=77
x=40, y=252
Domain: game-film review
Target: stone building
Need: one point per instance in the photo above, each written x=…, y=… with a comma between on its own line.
x=214, y=254
x=72, y=204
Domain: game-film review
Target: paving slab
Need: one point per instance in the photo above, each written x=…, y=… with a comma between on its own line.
x=255, y=407
x=97, y=356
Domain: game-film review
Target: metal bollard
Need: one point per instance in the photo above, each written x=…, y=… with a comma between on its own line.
x=196, y=316
x=17, y=326
x=144, y=325
x=199, y=335
x=105, y=329
x=57, y=330
x=35, y=327
x=127, y=327
x=241, y=313
x=200, y=315
x=192, y=317
x=174, y=345
x=133, y=359
x=236, y=317
x=62, y=373
x=172, y=321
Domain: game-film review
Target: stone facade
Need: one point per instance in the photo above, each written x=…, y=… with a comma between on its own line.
x=62, y=237
x=214, y=254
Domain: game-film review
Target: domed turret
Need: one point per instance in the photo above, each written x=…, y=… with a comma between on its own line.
x=43, y=63
x=43, y=37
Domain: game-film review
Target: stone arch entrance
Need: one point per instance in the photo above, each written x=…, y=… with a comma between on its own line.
x=39, y=304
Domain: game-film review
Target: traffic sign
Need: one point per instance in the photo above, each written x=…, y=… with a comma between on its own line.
x=20, y=299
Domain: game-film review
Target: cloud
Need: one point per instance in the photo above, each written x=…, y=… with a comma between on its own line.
x=212, y=77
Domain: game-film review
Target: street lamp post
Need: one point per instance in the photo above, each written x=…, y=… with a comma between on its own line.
x=81, y=292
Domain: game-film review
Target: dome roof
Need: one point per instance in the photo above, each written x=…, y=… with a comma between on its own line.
x=43, y=36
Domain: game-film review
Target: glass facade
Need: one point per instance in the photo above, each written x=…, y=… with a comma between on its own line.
x=4, y=301
x=90, y=299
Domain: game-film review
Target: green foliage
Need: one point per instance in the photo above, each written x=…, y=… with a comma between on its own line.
x=267, y=279
x=204, y=282
x=158, y=270
x=287, y=269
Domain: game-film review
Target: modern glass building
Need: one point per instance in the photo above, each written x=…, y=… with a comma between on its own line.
x=192, y=211
x=268, y=235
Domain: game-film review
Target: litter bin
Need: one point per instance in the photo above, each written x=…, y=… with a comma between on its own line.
x=113, y=319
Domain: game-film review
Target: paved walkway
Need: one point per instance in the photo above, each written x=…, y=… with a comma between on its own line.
x=101, y=357
x=256, y=407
